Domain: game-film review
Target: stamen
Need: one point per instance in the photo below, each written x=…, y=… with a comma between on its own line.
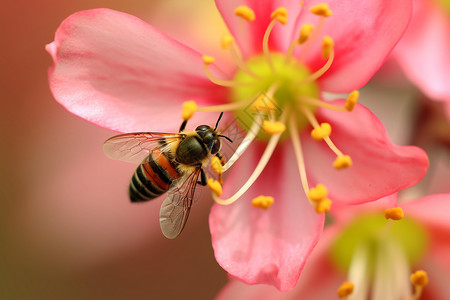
x=342, y=161
x=323, y=206
x=320, y=103
x=345, y=290
x=395, y=213
x=327, y=46
x=321, y=132
x=225, y=107
x=264, y=202
x=271, y=145
x=322, y=70
x=189, y=108
x=305, y=32
x=248, y=139
x=266, y=50
x=209, y=60
x=245, y=12
x=227, y=41
x=299, y=155
x=273, y=127
x=358, y=272
x=351, y=100
x=215, y=186
x=280, y=14
x=322, y=10
x=318, y=193
x=419, y=279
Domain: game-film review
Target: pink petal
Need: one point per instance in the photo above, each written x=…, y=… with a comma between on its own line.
x=364, y=33
x=319, y=279
x=379, y=167
x=423, y=52
x=432, y=212
x=249, y=35
x=119, y=72
x=266, y=246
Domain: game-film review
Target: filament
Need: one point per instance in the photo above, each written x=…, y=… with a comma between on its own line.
x=252, y=133
x=226, y=83
x=321, y=71
x=225, y=107
x=271, y=145
x=320, y=103
x=299, y=154
x=266, y=50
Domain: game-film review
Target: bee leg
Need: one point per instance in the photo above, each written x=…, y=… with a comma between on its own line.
x=220, y=156
x=183, y=125
x=203, y=178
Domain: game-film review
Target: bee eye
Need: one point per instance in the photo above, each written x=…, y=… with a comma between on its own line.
x=216, y=146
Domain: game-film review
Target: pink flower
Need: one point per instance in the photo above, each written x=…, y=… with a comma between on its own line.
x=423, y=51
x=120, y=73
x=418, y=242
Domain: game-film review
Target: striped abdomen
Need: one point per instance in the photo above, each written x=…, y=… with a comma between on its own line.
x=152, y=177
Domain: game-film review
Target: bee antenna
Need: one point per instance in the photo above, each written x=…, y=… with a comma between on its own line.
x=230, y=140
x=218, y=120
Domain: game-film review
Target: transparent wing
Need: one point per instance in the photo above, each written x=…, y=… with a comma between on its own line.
x=134, y=147
x=176, y=207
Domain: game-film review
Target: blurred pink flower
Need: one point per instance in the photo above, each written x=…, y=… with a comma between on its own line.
x=423, y=51
x=118, y=72
x=426, y=219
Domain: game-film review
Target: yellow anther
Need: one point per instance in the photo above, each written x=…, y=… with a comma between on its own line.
x=322, y=10
x=280, y=14
x=323, y=206
x=321, y=132
x=351, y=100
x=208, y=59
x=301, y=2
x=342, y=162
x=305, y=32
x=273, y=127
x=345, y=290
x=263, y=103
x=215, y=186
x=226, y=42
x=216, y=165
x=245, y=12
x=189, y=108
x=395, y=213
x=327, y=46
x=419, y=278
x=318, y=193
x=263, y=202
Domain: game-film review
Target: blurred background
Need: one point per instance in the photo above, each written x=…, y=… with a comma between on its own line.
x=67, y=229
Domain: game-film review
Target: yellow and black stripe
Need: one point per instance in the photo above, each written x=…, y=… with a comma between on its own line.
x=153, y=177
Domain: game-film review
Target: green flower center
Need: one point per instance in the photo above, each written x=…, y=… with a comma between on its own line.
x=288, y=88
x=372, y=231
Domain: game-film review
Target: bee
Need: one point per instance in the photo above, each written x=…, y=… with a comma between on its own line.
x=168, y=162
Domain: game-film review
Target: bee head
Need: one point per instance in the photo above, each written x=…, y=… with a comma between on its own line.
x=209, y=137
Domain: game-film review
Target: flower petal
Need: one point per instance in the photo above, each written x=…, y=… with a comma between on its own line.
x=354, y=27
x=432, y=211
x=119, y=72
x=319, y=280
x=266, y=246
x=379, y=168
x=423, y=51
x=249, y=35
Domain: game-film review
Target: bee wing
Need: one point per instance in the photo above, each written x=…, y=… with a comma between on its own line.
x=176, y=207
x=134, y=147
